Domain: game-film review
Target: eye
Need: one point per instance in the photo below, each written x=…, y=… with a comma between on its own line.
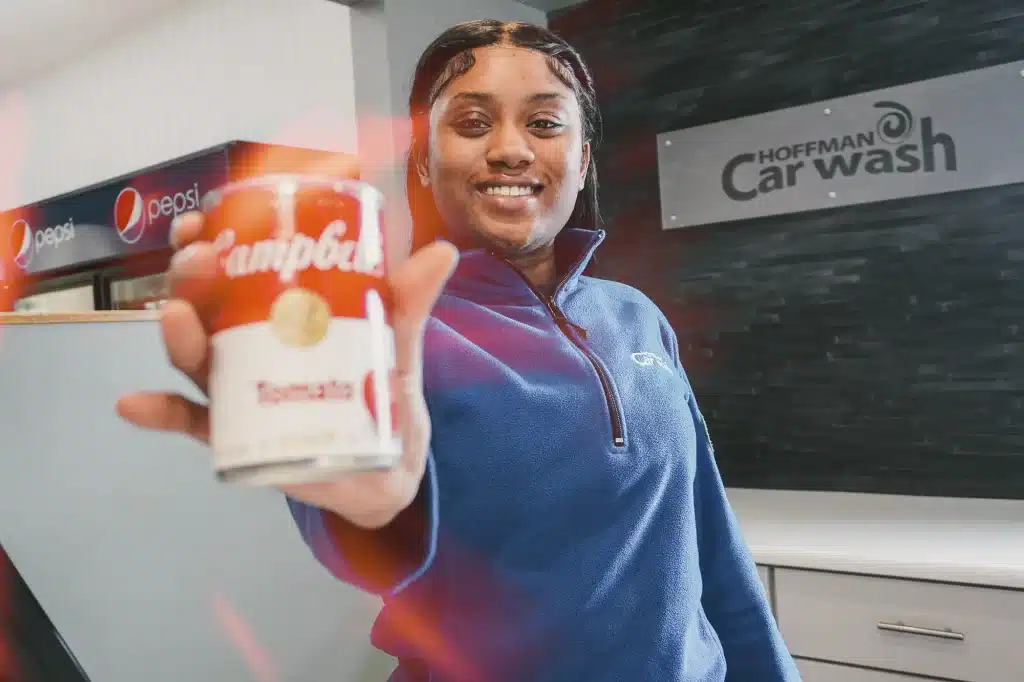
x=471, y=126
x=546, y=125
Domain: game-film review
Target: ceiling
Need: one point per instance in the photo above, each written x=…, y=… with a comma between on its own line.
x=36, y=35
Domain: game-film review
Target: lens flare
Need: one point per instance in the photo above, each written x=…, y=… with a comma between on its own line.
x=15, y=134
x=244, y=641
x=8, y=660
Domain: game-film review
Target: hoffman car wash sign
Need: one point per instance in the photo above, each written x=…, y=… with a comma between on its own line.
x=957, y=132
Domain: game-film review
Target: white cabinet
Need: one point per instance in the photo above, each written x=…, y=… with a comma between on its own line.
x=949, y=631
x=814, y=671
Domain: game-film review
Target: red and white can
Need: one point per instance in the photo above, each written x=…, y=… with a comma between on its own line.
x=302, y=343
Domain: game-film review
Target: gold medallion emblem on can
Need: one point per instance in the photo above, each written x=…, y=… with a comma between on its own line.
x=300, y=317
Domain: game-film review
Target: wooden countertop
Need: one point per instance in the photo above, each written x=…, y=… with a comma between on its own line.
x=66, y=318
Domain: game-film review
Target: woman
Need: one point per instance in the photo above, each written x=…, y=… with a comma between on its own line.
x=558, y=515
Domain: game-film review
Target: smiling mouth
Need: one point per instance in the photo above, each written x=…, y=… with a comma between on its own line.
x=493, y=190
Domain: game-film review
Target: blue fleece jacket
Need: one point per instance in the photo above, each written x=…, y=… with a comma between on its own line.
x=572, y=525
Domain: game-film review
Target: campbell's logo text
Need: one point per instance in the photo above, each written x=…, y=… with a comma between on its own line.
x=291, y=255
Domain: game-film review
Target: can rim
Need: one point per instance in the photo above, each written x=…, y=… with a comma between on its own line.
x=339, y=185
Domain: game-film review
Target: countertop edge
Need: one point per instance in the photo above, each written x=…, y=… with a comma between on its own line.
x=973, y=542
x=71, y=318
x=979, y=575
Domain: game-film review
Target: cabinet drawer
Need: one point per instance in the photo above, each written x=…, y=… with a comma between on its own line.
x=813, y=671
x=950, y=631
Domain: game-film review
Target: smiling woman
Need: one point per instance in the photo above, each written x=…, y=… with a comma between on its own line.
x=523, y=124
x=497, y=143
x=557, y=514
x=574, y=533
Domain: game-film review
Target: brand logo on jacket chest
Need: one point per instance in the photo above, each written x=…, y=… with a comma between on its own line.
x=650, y=360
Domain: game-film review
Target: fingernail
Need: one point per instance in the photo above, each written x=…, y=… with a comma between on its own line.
x=181, y=257
x=175, y=224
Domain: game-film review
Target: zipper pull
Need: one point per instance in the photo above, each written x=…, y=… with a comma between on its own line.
x=564, y=321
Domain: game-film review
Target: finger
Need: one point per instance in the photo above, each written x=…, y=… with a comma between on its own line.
x=413, y=422
x=193, y=272
x=186, y=341
x=418, y=282
x=166, y=412
x=186, y=229
x=416, y=286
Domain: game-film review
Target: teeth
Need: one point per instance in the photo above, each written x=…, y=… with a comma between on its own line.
x=509, y=191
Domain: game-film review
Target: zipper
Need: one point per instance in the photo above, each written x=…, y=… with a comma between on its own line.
x=564, y=325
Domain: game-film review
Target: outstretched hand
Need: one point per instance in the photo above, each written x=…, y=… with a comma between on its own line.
x=368, y=499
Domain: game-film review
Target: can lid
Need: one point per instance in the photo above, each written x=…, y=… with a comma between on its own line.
x=357, y=188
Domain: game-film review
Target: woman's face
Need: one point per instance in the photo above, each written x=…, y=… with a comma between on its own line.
x=506, y=159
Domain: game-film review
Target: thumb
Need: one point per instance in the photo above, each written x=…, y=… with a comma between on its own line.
x=415, y=287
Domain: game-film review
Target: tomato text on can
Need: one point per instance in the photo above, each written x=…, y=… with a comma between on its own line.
x=302, y=342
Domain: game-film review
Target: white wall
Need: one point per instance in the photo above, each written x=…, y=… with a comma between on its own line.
x=204, y=73
x=151, y=570
x=413, y=24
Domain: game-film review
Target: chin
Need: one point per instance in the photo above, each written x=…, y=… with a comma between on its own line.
x=504, y=235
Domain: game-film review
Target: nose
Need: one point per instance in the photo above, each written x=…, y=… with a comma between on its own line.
x=509, y=148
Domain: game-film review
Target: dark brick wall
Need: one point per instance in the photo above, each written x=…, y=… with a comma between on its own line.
x=876, y=348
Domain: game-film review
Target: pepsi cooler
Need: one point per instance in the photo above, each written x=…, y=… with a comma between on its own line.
x=106, y=247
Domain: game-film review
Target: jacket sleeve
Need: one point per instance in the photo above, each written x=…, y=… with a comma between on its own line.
x=733, y=597
x=382, y=561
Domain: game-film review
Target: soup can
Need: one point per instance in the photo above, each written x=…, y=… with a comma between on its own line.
x=302, y=353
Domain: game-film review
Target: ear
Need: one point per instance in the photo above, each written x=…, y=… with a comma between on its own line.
x=584, y=165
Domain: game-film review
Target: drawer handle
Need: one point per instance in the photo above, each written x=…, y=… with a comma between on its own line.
x=924, y=632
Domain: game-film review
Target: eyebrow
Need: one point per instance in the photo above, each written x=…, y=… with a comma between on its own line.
x=487, y=97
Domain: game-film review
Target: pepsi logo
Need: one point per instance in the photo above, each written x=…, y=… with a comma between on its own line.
x=134, y=213
x=130, y=215
x=22, y=243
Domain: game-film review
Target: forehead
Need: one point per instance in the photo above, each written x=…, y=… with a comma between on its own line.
x=508, y=72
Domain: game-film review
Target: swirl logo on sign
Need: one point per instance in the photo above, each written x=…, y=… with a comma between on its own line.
x=895, y=125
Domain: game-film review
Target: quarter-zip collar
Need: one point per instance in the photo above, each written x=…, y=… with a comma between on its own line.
x=487, y=278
